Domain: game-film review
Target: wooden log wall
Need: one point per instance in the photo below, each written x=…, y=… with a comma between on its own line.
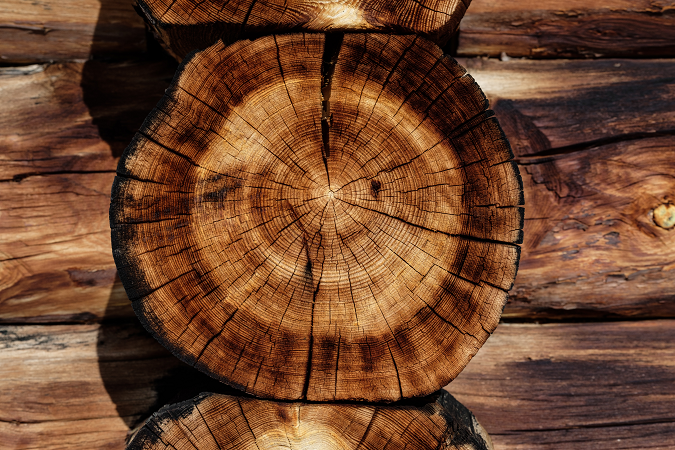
x=585, y=356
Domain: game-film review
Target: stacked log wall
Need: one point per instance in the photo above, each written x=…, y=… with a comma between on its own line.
x=594, y=139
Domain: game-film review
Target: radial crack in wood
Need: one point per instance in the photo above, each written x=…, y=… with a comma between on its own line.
x=183, y=25
x=224, y=422
x=374, y=272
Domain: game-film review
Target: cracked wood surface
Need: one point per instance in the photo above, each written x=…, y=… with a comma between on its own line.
x=569, y=28
x=363, y=256
x=183, y=25
x=555, y=386
x=228, y=422
x=52, y=139
x=66, y=30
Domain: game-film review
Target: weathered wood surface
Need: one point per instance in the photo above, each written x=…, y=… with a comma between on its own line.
x=589, y=193
x=73, y=29
x=61, y=133
x=594, y=143
x=553, y=386
x=66, y=30
x=569, y=29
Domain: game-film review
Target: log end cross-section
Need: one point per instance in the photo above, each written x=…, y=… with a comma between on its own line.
x=212, y=421
x=186, y=25
x=320, y=218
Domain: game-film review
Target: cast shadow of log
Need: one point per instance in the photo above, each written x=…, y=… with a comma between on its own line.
x=122, y=83
x=139, y=374
x=120, y=90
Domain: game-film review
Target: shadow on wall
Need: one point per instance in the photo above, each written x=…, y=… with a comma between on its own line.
x=125, y=76
x=121, y=83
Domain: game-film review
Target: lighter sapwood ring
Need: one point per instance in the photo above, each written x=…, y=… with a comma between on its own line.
x=316, y=218
x=212, y=421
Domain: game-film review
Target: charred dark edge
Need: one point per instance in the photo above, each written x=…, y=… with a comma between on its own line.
x=459, y=422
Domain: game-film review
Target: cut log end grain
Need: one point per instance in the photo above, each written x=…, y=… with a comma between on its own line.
x=225, y=422
x=319, y=218
x=184, y=26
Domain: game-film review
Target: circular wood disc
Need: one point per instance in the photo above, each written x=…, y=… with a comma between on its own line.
x=186, y=25
x=212, y=421
x=353, y=246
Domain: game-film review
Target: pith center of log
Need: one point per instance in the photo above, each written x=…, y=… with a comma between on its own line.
x=320, y=218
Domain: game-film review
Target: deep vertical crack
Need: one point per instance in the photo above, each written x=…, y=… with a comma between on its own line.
x=331, y=51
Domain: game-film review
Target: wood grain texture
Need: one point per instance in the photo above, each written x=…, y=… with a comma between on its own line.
x=569, y=29
x=560, y=106
x=595, y=151
x=84, y=386
x=229, y=422
x=361, y=250
x=555, y=386
x=66, y=30
x=62, y=129
x=184, y=26
x=46, y=127
x=559, y=386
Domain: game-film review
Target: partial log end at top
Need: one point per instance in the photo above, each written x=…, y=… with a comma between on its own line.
x=212, y=421
x=185, y=25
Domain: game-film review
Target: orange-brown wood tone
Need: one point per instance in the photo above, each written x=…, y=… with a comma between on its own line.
x=212, y=421
x=355, y=242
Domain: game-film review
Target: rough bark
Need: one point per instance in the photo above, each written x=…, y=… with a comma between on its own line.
x=184, y=26
x=67, y=30
x=569, y=29
x=351, y=244
x=227, y=422
x=84, y=386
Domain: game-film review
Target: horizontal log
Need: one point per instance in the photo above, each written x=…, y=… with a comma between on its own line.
x=548, y=107
x=67, y=30
x=593, y=138
x=62, y=130
x=531, y=386
x=569, y=29
x=559, y=386
x=591, y=245
x=594, y=143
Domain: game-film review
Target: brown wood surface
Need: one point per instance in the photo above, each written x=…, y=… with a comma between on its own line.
x=183, y=25
x=555, y=386
x=569, y=29
x=66, y=30
x=365, y=256
x=594, y=143
x=46, y=126
x=61, y=132
x=240, y=423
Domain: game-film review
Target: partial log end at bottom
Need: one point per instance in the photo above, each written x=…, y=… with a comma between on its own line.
x=214, y=421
